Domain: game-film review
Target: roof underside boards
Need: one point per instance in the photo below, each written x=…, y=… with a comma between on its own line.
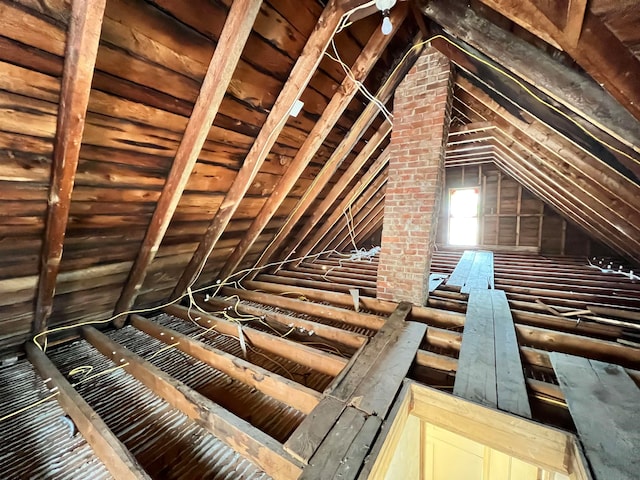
x=252, y=185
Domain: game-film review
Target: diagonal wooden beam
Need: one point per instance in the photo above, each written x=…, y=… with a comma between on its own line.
x=298, y=79
x=346, y=178
x=366, y=179
x=597, y=51
x=80, y=57
x=574, y=90
x=372, y=194
x=340, y=153
x=107, y=447
x=364, y=224
x=234, y=35
x=238, y=434
x=338, y=104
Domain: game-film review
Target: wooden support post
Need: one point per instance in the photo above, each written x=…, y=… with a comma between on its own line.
x=338, y=104
x=107, y=447
x=309, y=357
x=298, y=79
x=238, y=434
x=280, y=388
x=234, y=35
x=80, y=57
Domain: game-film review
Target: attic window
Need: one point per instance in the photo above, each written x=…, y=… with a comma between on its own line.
x=463, y=216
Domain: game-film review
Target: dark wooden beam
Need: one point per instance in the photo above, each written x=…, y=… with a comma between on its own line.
x=597, y=51
x=298, y=79
x=107, y=447
x=83, y=37
x=238, y=434
x=223, y=63
x=332, y=113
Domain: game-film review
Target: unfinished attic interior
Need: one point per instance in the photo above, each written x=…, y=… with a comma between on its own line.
x=350, y=239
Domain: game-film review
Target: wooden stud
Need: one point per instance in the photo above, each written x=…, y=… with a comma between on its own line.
x=298, y=79
x=234, y=35
x=107, y=447
x=238, y=434
x=80, y=57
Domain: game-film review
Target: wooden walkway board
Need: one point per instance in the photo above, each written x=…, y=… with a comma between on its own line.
x=481, y=273
x=489, y=367
x=460, y=273
x=435, y=280
x=476, y=375
x=603, y=401
x=512, y=387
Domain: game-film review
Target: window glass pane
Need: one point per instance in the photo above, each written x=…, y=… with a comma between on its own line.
x=463, y=216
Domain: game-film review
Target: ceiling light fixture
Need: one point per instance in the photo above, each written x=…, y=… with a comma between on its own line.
x=384, y=6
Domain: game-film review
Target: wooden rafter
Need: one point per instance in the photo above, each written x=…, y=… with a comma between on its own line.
x=80, y=57
x=298, y=79
x=598, y=51
x=332, y=196
x=338, y=188
x=367, y=224
x=339, y=154
x=339, y=102
x=234, y=35
x=373, y=193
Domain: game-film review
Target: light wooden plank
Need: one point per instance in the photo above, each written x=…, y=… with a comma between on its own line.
x=331, y=114
x=481, y=273
x=512, y=388
x=476, y=375
x=286, y=391
x=603, y=402
x=107, y=447
x=83, y=37
x=238, y=434
x=303, y=70
x=235, y=33
x=306, y=439
x=460, y=273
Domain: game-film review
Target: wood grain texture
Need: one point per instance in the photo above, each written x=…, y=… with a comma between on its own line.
x=80, y=57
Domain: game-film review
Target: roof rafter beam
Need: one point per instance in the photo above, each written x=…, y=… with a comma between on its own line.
x=235, y=33
x=81, y=50
x=373, y=194
x=299, y=77
x=332, y=113
x=597, y=51
x=351, y=196
x=363, y=224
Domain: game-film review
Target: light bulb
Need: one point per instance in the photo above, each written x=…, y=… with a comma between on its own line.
x=387, y=27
